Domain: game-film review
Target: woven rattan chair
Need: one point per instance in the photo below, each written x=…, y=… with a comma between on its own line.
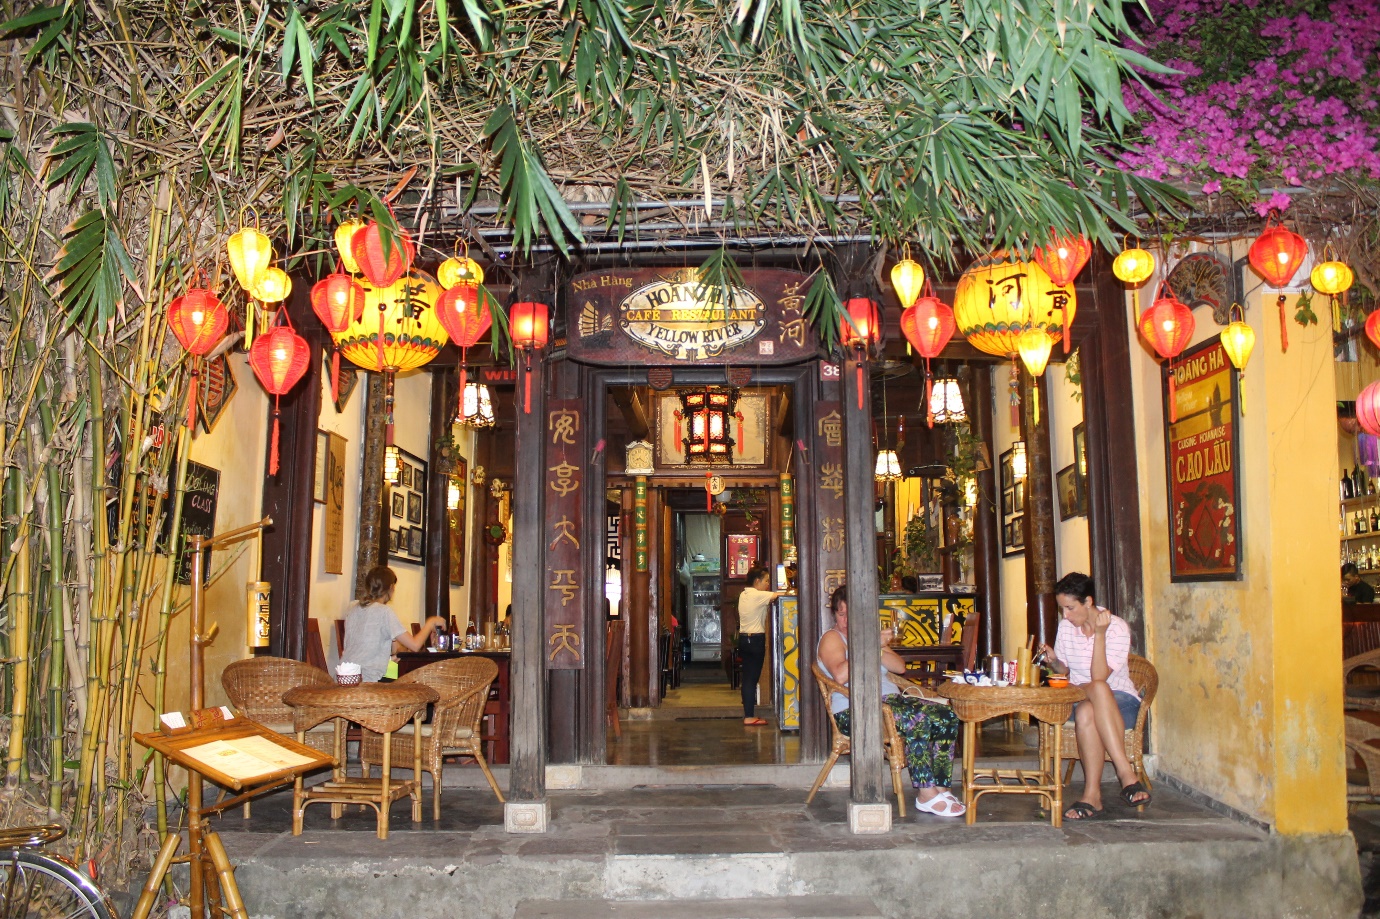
x=256, y=686
x=463, y=685
x=1147, y=682
x=1362, y=695
x=842, y=746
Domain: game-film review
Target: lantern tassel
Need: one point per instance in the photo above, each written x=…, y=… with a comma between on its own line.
x=335, y=376
x=380, y=341
x=1015, y=391
x=527, y=387
x=1283, y=326
x=1241, y=391
x=388, y=409
x=273, y=451
x=1035, y=394
x=248, y=325
x=738, y=447
x=1173, y=403
x=191, y=404
x=460, y=408
x=860, y=386
x=708, y=495
x=1064, y=310
x=929, y=395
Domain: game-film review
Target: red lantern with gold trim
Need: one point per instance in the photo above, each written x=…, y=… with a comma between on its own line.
x=1062, y=259
x=1277, y=254
x=928, y=326
x=1168, y=326
x=530, y=327
x=1373, y=328
x=279, y=359
x=860, y=329
x=465, y=320
x=382, y=270
x=337, y=299
x=198, y=319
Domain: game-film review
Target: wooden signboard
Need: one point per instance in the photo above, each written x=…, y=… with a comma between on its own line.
x=827, y=453
x=334, y=542
x=565, y=478
x=198, y=515
x=1201, y=460
x=656, y=316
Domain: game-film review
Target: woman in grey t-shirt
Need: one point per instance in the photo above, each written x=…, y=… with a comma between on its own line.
x=371, y=626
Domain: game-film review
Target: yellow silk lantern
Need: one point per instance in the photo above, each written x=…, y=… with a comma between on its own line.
x=908, y=278
x=1332, y=278
x=1034, y=346
x=1133, y=266
x=344, y=235
x=250, y=253
x=998, y=299
x=1238, y=340
x=273, y=287
x=412, y=335
x=464, y=270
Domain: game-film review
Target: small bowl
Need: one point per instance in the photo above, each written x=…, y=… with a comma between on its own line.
x=1058, y=682
x=352, y=679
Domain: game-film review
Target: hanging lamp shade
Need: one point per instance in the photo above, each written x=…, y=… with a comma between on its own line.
x=460, y=270
x=998, y=299
x=273, y=287
x=1368, y=409
x=1133, y=266
x=476, y=406
x=928, y=325
x=383, y=269
x=344, y=243
x=337, y=300
x=199, y=321
x=860, y=327
x=1034, y=347
x=908, y=277
x=1332, y=278
x=1238, y=340
x=946, y=402
x=1063, y=258
x=1277, y=254
x=529, y=324
x=250, y=253
x=1167, y=325
x=888, y=468
x=279, y=359
x=459, y=311
x=398, y=329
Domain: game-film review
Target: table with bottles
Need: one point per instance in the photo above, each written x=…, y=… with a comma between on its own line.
x=497, y=711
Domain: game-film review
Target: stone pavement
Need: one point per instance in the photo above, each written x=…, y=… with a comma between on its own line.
x=610, y=852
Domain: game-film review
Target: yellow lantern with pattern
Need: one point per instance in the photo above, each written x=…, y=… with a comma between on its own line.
x=398, y=329
x=998, y=299
x=273, y=287
x=1133, y=266
x=1332, y=278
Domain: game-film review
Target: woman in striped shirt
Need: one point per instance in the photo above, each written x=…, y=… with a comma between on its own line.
x=1092, y=647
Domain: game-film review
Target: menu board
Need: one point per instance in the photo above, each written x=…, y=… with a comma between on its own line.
x=198, y=516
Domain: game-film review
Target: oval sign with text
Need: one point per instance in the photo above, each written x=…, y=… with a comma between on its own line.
x=688, y=322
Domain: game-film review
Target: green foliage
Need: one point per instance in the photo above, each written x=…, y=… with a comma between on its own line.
x=823, y=309
x=717, y=277
x=83, y=151
x=93, y=268
x=1305, y=316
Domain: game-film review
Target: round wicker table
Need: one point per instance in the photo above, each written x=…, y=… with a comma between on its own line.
x=383, y=708
x=975, y=704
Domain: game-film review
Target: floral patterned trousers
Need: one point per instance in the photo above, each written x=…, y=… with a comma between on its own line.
x=929, y=732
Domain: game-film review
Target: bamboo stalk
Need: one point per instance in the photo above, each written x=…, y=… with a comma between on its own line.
x=160, y=683
x=18, y=589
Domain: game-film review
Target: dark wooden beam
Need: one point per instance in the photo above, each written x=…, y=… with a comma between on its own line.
x=372, y=548
x=630, y=403
x=591, y=737
x=1042, y=612
x=444, y=386
x=815, y=734
x=986, y=519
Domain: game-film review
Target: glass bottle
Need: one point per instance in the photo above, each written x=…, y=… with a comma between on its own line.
x=1346, y=485
x=1375, y=520
x=471, y=636
x=1362, y=524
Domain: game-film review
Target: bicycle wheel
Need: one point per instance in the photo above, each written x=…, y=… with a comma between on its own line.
x=34, y=885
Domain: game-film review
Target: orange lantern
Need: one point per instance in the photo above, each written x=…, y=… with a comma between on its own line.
x=530, y=328
x=1168, y=326
x=382, y=269
x=337, y=299
x=279, y=359
x=1373, y=328
x=198, y=319
x=1277, y=254
x=859, y=329
x=929, y=326
x=1368, y=409
x=460, y=312
x=1062, y=259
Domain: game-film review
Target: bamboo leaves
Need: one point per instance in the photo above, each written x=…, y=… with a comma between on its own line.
x=93, y=268
x=83, y=151
x=532, y=202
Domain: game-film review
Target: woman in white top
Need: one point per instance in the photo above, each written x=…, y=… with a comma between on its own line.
x=1092, y=647
x=754, y=603
x=929, y=730
x=371, y=626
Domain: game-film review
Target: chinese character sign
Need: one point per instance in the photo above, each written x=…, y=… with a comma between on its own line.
x=564, y=595
x=827, y=452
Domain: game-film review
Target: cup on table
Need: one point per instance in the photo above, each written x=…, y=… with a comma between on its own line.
x=1058, y=680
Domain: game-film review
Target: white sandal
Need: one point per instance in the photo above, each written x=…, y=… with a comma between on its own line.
x=952, y=807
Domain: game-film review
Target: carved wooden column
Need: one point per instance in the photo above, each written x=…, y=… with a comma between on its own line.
x=639, y=598
x=436, y=597
x=986, y=522
x=1042, y=612
x=373, y=529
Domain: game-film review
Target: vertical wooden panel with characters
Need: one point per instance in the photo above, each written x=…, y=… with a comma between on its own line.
x=640, y=544
x=828, y=457
x=565, y=581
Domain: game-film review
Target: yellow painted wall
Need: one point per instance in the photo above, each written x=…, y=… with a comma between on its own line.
x=1249, y=706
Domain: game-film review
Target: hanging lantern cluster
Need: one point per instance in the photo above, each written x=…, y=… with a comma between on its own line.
x=1277, y=255
x=337, y=300
x=1168, y=326
x=928, y=325
x=460, y=308
x=251, y=253
x=198, y=320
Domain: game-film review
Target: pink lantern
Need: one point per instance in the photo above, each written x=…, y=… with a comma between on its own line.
x=1368, y=409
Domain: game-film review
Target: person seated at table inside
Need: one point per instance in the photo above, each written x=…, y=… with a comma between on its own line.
x=929, y=730
x=371, y=626
x=1355, y=590
x=1092, y=646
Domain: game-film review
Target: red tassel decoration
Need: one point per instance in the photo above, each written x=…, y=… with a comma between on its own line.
x=708, y=495
x=382, y=365
x=1283, y=326
x=1014, y=386
x=273, y=452
x=527, y=388
x=677, y=417
x=1065, y=311
x=929, y=395
x=191, y=403
x=739, y=444
x=335, y=376
x=464, y=378
x=860, y=386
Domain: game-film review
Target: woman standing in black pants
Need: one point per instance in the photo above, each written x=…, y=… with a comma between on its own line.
x=753, y=604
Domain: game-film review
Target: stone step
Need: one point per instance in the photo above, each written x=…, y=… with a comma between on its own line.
x=821, y=907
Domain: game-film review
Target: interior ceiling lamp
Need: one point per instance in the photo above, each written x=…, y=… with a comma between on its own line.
x=396, y=331
x=1062, y=259
x=1168, y=326
x=908, y=278
x=888, y=467
x=392, y=464
x=860, y=330
x=279, y=359
x=707, y=432
x=929, y=327
x=250, y=253
x=529, y=324
x=1018, y=463
x=946, y=402
x=1238, y=339
x=1277, y=254
x=337, y=299
x=476, y=406
x=198, y=319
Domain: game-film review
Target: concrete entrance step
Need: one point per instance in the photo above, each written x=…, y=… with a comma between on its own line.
x=757, y=908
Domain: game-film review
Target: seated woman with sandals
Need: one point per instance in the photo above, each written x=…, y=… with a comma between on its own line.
x=1092, y=646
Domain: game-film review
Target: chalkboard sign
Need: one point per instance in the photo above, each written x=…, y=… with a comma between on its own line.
x=198, y=515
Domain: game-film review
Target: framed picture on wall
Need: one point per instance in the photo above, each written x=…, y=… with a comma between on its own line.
x=1017, y=533
x=414, y=541
x=1012, y=506
x=409, y=509
x=399, y=505
x=323, y=448
x=1069, y=489
x=414, y=508
x=742, y=552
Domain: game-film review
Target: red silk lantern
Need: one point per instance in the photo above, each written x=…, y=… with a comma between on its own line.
x=198, y=319
x=860, y=329
x=1277, y=254
x=928, y=326
x=278, y=359
x=1368, y=409
x=1373, y=328
x=367, y=247
x=1062, y=259
x=1168, y=326
x=458, y=310
x=337, y=299
x=529, y=323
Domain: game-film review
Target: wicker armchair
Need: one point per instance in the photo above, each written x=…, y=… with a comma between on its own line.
x=1147, y=682
x=895, y=752
x=463, y=684
x=1363, y=695
x=256, y=686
